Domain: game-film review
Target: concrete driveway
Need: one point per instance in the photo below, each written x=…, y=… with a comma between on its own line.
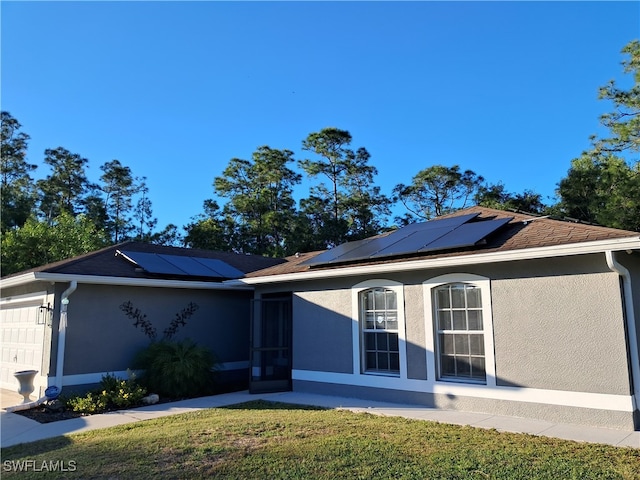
x=10, y=398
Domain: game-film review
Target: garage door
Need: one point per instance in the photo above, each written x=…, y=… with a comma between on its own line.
x=22, y=327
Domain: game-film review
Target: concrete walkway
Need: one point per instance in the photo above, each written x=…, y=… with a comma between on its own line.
x=16, y=429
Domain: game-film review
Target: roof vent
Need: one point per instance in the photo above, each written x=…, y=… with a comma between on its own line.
x=532, y=219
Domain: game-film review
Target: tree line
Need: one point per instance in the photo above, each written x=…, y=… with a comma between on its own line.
x=65, y=214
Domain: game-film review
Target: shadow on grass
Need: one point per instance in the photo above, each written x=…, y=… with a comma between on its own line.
x=271, y=405
x=31, y=449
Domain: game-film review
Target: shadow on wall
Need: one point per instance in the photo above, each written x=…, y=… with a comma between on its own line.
x=101, y=337
x=323, y=342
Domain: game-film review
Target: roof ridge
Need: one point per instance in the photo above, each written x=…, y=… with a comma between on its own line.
x=240, y=261
x=192, y=251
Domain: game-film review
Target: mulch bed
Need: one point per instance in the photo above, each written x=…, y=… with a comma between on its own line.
x=42, y=414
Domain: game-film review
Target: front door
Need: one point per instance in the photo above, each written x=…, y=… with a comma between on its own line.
x=270, y=356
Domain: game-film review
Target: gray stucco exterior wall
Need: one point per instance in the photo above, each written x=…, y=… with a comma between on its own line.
x=557, y=325
x=322, y=330
x=560, y=333
x=101, y=338
x=415, y=332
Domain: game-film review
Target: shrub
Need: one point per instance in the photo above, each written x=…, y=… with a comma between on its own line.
x=113, y=393
x=177, y=369
x=126, y=394
x=92, y=402
x=109, y=382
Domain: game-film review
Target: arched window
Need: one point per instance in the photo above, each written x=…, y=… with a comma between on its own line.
x=379, y=326
x=459, y=328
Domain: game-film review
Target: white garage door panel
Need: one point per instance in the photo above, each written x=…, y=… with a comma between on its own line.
x=21, y=338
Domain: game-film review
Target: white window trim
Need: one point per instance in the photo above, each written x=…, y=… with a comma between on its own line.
x=485, y=293
x=398, y=289
x=598, y=401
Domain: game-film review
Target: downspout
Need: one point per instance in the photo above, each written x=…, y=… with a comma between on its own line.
x=62, y=332
x=614, y=266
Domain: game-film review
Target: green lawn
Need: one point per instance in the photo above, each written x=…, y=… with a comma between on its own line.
x=276, y=441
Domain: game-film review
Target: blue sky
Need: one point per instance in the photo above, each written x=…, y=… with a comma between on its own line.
x=174, y=90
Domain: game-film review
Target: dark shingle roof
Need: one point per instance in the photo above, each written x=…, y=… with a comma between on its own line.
x=522, y=232
x=105, y=262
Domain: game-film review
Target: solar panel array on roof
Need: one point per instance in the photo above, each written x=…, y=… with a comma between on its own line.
x=466, y=235
x=187, y=264
x=337, y=251
x=439, y=234
x=223, y=268
x=162, y=264
x=415, y=241
x=152, y=263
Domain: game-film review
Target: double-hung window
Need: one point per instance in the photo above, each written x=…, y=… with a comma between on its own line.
x=459, y=311
x=460, y=332
x=379, y=323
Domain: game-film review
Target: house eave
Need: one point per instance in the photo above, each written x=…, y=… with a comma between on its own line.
x=121, y=281
x=582, y=248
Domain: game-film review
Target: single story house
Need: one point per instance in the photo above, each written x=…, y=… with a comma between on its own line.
x=68, y=320
x=482, y=310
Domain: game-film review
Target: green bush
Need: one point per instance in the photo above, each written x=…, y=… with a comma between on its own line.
x=112, y=394
x=177, y=369
x=92, y=402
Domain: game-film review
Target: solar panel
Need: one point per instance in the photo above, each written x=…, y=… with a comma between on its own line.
x=466, y=235
x=410, y=238
x=224, y=269
x=152, y=263
x=190, y=266
x=368, y=249
x=182, y=265
x=414, y=242
x=332, y=254
x=438, y=234
x=452, y=222
x=371, y=247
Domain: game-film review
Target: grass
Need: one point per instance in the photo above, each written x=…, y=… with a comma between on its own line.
x=277, y=441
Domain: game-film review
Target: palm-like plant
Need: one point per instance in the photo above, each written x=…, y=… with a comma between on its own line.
x=177, y=369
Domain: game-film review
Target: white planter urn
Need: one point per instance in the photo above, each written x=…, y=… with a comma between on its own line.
x=25, y=377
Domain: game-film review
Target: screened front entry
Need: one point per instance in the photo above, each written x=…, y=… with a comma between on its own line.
x=270, y=356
